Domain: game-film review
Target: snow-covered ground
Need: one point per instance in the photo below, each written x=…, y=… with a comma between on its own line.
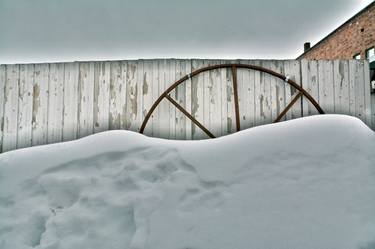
x=302, y=184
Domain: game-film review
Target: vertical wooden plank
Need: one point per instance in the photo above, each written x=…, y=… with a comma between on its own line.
x=273, y=93
x=123, y=94
x=258, y=95
x=188, y=122
x=197, y=100
x=2, y=99
x=40, y=104
x=322, y=86
x=277, y=91
x=206, y=96
x=86, y=100
x=367, y=90
x=140, y=113
x=55, y=103
x=181, y=100
x=169, y=78
x=246, y=89
x=164, y=105
x=341, y=85
x=266, y=89
x=262, y=96
x=154, y=96
x=310, y=82
x=293, y=71
x=231, y=117
x=326, y=86
x=117, y=95
x=250, y=100
x=280, y=91
x=101, y=96
x=133, y=120
x=11, y=108
x=352, y=87
x=337, y=77
x=172, y=111
x=25, y=106
x=242, y=81
x=214, y=99
x=224, y=97
x=147, y=95
x=288, y=90
x=306, y=84
x=71, y=99
x=359, y=91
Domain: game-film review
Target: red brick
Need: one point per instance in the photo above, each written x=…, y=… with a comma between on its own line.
x=348, y=40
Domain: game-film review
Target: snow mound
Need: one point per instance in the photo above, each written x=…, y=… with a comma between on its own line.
x=306, y=183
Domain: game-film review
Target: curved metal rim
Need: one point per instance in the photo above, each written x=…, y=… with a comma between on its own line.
x=234, y=67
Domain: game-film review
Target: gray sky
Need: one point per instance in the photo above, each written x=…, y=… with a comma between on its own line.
x=69, y=30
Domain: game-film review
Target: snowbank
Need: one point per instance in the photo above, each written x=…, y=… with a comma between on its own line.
x=307, y=183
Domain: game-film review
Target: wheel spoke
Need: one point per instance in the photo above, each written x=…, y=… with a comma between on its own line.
x=235, y=92
x=294, y=100
x=179, y=107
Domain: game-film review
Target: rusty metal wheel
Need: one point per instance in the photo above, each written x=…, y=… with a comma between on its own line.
x=299, y=93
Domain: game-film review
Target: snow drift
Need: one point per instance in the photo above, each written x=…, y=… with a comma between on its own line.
x=307, y=183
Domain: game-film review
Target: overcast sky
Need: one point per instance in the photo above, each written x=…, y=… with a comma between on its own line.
x=69, y=30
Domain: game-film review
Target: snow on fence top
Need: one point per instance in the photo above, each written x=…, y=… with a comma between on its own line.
x=48, y=103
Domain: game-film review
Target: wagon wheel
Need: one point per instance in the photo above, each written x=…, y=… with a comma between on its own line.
x=299, y=93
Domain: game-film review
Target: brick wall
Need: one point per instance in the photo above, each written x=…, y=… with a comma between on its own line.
x=354, y=37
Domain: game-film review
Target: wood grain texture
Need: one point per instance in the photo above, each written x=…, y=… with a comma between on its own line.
x=366, y=73
x=10, y=132
x=2, y=100
x=101, y=96
x=310, y=82
x=25, y=106
x=40, y=104
x=71, y=101
x=55, y=103
x=197, y=100
x=86, y=99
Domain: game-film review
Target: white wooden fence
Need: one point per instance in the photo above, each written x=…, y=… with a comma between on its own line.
x=48, y=103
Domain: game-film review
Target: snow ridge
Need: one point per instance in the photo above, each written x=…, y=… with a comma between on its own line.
x=306, y=183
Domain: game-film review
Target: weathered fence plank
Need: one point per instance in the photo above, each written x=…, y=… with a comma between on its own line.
x=164, y=107
x=154, y=94
x=102, y=96
x=40, y=104
x=55, y=103
x=197, y=100
x=180, y=97
x=360, y=104
x=131, y=122
x=2, y=100
x=140, y=77
x=86, y=99
x=25, y=106
x=188, y=95
x=224, y=97
x=310, y=82
x=367, y=90
x=11, y=108
x=71, y=100
x=117, y=95
x=47, y=103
